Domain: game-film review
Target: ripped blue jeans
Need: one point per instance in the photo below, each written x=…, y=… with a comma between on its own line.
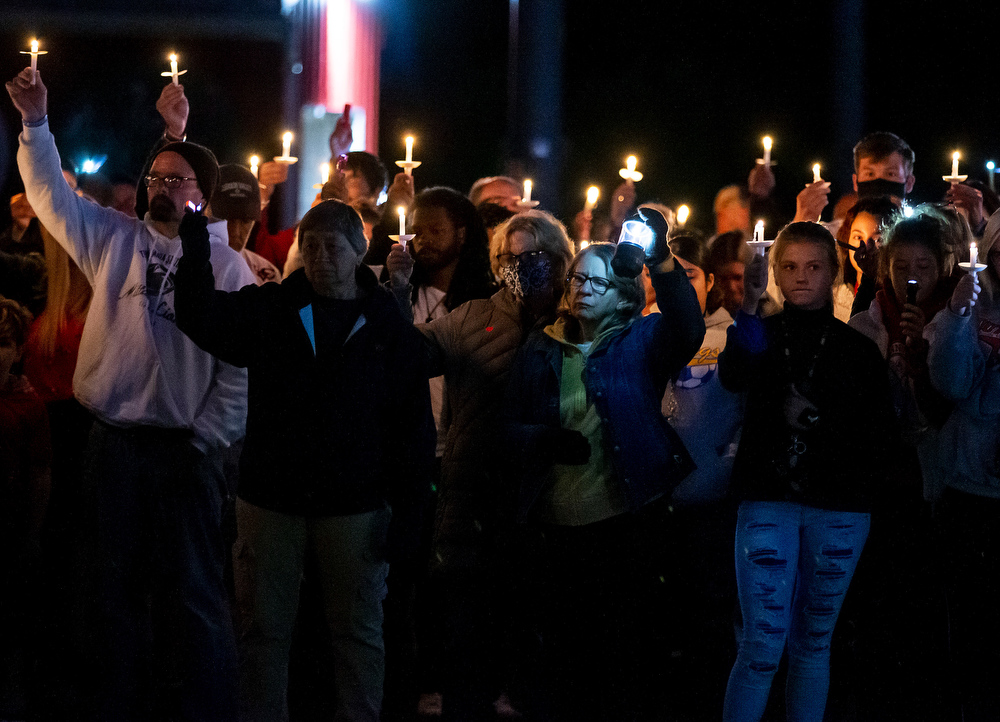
x=793, y=566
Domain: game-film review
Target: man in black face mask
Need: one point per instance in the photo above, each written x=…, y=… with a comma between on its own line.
x=883, y=166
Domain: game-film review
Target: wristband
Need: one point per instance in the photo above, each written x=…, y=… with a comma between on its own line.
x=35, y=123
x=170, y=139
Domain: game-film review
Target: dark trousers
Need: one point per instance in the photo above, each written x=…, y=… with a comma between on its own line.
x=970, y=527
x=154, y=628
x=597, y=594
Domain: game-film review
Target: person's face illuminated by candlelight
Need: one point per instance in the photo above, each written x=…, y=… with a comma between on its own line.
x=864, y=227
x=700, y=281
x=805, y=273
x=167, y=204
x=437, y=241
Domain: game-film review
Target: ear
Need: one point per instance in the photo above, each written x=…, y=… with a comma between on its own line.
x=709, y=282
x=854, y=180
x=910, y=180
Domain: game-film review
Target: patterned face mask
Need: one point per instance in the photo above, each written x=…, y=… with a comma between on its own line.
x=529, y=277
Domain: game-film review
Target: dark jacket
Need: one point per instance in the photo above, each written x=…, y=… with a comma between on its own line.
x=845, y=457
x=626, y=374
x=341, y=430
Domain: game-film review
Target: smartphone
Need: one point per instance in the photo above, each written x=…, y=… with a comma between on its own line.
x=912, y=287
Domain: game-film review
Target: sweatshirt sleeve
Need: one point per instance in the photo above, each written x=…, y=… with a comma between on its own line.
x=954, y=363
x=217, y=320
x=745, y=345
x=81, y=227
x=680, y=325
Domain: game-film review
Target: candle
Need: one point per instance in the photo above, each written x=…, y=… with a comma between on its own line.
x=592, y=194
x=409, y=149
x=954, y=163
x=767, y=151
x=758, y=234
x=324, y=172
x=527, y=191
x=991, y=169
x=630, y=163
x=254, y=163
x=816, y=175
x=401, y=210
x=682, y=214
x=973, y=257
x=173, y=68
x=286, y=145
x=34, y=53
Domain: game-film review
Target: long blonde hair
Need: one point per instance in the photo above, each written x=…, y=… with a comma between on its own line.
x=67, y=295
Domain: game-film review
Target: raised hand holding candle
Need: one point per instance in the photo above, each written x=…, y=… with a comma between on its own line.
x=816, y=176
x=592, y=193
x=34, y=53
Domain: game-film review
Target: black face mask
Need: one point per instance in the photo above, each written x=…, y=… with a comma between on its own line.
x=881, y=187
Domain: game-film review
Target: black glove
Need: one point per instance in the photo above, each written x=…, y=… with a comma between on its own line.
x=659, y=251
x=866, y=257
x=194, y=238
x=569, y=447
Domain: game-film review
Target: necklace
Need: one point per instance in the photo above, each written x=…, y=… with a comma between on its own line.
x=798, y=447
x=430, y=311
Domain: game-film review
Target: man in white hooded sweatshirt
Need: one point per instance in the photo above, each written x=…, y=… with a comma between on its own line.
x=154, y=614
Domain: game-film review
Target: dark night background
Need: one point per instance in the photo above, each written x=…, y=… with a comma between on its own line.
x=688, y=87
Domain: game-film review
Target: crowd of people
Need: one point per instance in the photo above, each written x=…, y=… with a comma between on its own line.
x=616, y=471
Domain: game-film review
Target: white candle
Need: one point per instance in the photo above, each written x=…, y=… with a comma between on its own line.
x=973, y=257
x=592, y=193
x=954, y=164
x=409, y=149
x=254, y=163
x=767, y=151
x=758, y=233
x=34, y=53
x=683, y=212
x=527, y=191
x=286, y=145
x=991, y=168
x=173, y=68
x=324, y=172
x=816, y=176
x=402, y=220
x=34, y=60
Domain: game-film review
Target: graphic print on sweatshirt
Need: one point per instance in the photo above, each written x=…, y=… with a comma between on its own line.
x=700, y=370
x=158, y=290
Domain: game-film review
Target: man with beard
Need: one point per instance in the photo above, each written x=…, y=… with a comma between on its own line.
x=154, y=620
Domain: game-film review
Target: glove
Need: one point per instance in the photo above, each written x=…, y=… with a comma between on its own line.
x=570, y=447
x=867, y=257
x=194, y=238
x=659, y=251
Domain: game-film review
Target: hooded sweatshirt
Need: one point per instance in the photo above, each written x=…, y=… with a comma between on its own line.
x=135, y=366
x=964, y=365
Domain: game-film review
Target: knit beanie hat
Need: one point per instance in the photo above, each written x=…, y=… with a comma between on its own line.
x=201, y=159
x=237, y=197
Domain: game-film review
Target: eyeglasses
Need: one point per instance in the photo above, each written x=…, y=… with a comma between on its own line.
x=170, y=181
x=508, y=259
x=600, y=285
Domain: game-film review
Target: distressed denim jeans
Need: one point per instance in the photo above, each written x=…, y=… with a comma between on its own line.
x=794, y=564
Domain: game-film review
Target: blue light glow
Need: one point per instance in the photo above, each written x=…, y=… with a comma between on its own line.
x=638, y=234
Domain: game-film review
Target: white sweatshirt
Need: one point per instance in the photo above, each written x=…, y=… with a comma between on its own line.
x=135, y=367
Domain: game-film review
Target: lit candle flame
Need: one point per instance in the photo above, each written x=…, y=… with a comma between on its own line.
x=527, y=190
x=34, y=46
x=767, y=142
x=683, y=212
x=254, y=163
x=631, y=162
x=816, y=176
x=401, y=210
